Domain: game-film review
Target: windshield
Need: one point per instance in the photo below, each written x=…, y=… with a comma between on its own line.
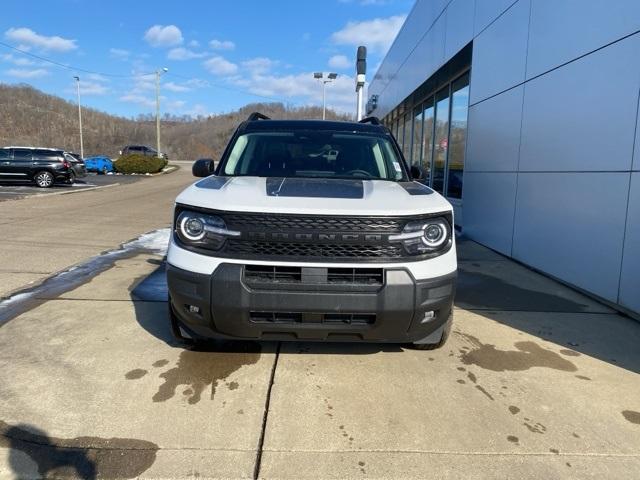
x=314, y=154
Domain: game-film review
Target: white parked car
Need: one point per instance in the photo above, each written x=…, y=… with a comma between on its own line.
x=312, y=230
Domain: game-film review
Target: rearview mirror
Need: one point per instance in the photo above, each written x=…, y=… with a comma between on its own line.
x=203, y=167
x=418, y=173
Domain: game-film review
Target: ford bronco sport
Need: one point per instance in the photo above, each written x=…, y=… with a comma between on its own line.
x=312, y=230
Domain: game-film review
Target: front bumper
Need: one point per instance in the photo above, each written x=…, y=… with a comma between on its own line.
x=225, y=305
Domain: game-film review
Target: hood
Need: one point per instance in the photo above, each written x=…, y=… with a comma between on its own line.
x=313, y=196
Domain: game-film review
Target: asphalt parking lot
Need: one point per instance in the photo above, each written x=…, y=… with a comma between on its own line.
x=12, y=190
x=537, y=380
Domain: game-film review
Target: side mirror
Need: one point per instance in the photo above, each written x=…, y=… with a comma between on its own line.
x=418, y=173
x=203, y=167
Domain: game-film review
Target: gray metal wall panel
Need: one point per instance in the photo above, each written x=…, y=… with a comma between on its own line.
x=562, y=30
x=489, y=200
x=419, y=21
x=581, y=117
x=459, y=26
x=571, y=225
x=636, y=150
x=487, y=11
x=499, y=53
x=493, y=133
x=630, y=277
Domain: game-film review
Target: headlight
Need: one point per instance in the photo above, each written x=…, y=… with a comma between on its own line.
x=424, y=236
x=202, y=230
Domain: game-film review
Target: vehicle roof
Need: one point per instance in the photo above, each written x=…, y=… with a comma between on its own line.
x=322, y=125
x=35, y=148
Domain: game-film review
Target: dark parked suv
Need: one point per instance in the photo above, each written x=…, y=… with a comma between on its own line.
x=141, y=150
x=44, y=166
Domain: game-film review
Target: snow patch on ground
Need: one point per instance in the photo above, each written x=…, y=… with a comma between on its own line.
x=156, y=241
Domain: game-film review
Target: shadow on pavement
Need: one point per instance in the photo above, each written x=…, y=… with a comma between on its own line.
x=80, y=457
x=504, y=291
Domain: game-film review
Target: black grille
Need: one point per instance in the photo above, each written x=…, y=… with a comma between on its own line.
x=310, y=250
x=316, y=318
x=272, y=274
x=269, y=274
x=277, y=223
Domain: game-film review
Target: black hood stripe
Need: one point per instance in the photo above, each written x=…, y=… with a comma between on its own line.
x=213, y=182
x=415, y=188
x=314, y=187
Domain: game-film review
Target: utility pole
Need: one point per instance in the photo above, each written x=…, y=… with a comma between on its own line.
x=361, y=70
x=158, y=73
x=79, y=117
x=330, y=78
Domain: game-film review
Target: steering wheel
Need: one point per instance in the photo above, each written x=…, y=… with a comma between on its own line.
x=359, y=172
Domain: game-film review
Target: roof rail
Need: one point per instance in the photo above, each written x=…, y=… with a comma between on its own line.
x=371, y=120
x=257, y=116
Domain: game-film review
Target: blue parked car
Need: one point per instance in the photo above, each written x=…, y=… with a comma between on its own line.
x=99, y=164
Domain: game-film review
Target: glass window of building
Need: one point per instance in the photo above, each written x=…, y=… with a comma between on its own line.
x=441, y=134
x=427, y=137
x=407, y=142
x=416, y=146
x=458, y=135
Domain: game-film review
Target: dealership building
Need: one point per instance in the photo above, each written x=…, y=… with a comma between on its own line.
x=525, y=115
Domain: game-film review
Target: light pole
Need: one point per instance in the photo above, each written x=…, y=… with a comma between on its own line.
x=330, y=78
x=158, y=73
x=79, y=116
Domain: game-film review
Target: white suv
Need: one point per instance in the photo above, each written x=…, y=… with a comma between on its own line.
x=312, y=230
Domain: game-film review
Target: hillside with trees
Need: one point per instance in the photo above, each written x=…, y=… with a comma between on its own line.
x=33, y=118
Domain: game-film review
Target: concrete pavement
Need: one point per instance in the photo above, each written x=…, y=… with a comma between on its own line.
x=537, y=381
x=40, y=236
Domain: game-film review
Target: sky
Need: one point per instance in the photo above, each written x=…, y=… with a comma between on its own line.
x=220, y=55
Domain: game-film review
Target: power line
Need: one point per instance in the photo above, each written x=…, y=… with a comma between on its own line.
x=71, y=67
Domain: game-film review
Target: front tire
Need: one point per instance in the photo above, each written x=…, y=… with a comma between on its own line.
x=72, y=178
x=44, y=179
x=441, y=335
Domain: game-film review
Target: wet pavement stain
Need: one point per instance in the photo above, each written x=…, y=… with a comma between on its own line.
x=514, y=410
x=582, y=377
x=513, y=439
x=135, y=374
x=361, y=464
x=199, y=370
x=554, y=450
x=80, y=457
x=631, y=416
x=528, y=355
x=460, y=381
x=233, y=385
x=485, y=392
x=480, y=290
x=160, y=363
x=471, y=376
x=537, y=428
x=569, y=353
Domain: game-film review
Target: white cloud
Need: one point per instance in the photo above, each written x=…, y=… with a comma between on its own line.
x=163, y=36
x=119, y=53
x=25, y=73
x=182, y=53
x=175, y=87
x=92, y=88
x=28, y=39
x=139, y=99
x=376, y=34
x=220, y=66
x=19, y=61
x=259, y=65
x=340, y=93
x=340, y=61
x=222, y=45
